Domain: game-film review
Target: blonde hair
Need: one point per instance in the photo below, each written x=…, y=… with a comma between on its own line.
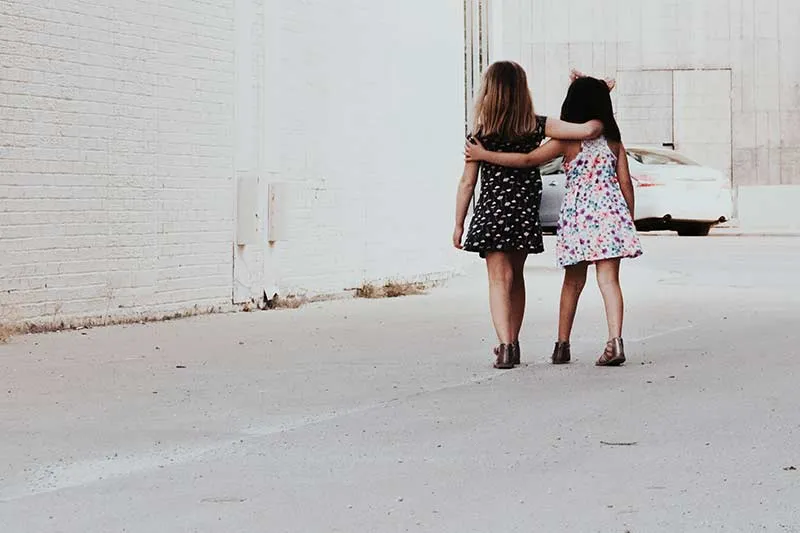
x=504, y=106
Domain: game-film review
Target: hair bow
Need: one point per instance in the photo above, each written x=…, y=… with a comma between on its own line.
x=574, y=74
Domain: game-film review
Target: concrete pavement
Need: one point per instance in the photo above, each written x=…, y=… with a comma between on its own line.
x=383, y=416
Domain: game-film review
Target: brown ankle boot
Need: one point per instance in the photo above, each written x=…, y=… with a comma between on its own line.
x=504, y=357
x=517, y=358
x=561, y=353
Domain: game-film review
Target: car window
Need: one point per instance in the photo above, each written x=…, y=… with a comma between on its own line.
x=552, y=167
x=659, y=158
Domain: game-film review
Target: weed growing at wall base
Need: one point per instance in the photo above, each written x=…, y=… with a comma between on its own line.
x=6, y=331
x=391, y=289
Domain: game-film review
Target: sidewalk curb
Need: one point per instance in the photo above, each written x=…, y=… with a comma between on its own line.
x=754, y=232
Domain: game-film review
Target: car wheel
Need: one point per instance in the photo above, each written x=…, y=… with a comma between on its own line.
x=694, y=229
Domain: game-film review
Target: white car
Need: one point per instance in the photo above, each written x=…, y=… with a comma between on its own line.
x=672, y=192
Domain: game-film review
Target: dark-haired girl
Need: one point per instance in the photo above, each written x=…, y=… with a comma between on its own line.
x=596, y=220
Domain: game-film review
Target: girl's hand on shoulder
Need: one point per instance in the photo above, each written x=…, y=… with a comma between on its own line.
x=474, y=151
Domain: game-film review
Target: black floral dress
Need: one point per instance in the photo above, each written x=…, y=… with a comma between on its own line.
x=506, y=217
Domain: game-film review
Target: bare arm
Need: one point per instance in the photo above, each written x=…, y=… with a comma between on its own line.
x=474, y=151
x=624, y=178
x=466, y=187
x=558, y=129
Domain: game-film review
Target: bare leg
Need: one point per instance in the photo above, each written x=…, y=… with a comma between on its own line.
x=501, y=277
x=518, y=293
x=574, y=281
x=608, y=281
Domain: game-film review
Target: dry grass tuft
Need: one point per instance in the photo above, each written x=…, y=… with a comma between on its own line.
x=6, y=332
x=368, y=290
x=391, y=289
x=290, y=301
x=394, y=289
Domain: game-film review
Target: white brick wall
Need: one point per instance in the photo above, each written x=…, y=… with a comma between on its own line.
x=115, y=121
x=124, y=126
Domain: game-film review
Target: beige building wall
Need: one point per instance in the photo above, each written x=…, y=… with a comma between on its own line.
x=722, y=77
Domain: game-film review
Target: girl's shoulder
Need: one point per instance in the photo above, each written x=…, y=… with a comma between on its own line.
x=500, y=143
x=488, y=141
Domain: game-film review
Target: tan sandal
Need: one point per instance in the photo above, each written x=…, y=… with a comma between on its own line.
x=614, y=354
x=504, y=357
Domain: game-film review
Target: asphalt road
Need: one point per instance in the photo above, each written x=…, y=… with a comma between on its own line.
x=385, y=415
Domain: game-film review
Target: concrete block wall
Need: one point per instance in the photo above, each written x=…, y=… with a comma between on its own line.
x=756, y=39
x=126, y=127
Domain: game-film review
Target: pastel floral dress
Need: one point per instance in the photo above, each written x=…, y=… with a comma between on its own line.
x=595, y=222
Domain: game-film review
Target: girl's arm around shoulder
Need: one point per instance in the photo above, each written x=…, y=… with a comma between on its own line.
x=558, y=129
x=474, y=151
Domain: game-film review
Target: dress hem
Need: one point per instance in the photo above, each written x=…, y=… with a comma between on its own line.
x=629, y=255
x=483, y=251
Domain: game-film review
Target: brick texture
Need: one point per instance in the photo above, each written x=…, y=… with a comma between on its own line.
x=125, y=128
x=116, y=156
